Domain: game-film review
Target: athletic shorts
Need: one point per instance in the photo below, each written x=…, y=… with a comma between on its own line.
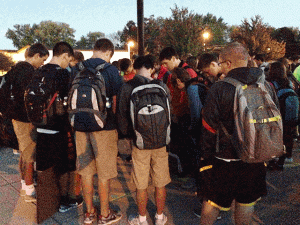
x=226, y=181
x=52, y=151
x=97, y=153
x=152, y=163
x=26, y=136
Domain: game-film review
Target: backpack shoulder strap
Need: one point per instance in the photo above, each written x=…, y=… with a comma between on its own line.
x=232, y=81
x=80, y=66
x=276, y=85
x=100, y=67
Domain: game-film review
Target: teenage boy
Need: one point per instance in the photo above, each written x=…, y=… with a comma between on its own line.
x=97, y=151
x=170, y=59
x=232, y=178
x=209, y=64
x=52, y=138
x=145, y=162
x=19, y=77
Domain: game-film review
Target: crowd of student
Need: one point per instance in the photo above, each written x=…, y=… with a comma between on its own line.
x=198, y=104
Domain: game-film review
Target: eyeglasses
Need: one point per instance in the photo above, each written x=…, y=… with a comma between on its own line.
x=220, y=63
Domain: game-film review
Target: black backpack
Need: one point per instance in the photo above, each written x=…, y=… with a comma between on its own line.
x=42, y=101
x=87, y=102
x=150, y=115
x=7, y=94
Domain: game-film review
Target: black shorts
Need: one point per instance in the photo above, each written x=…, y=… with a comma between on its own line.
x=52, y=151
x=226, y=181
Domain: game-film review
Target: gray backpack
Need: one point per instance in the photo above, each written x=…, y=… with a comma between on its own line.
x=258, y=133
x=150, y=115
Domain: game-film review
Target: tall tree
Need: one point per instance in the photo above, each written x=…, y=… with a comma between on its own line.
x=5, y=62
x=89, y=41
x=21, y=35
x=256, y=36
x=116, y=39
x=183, y=30
x=290, y=36
x=47, y=33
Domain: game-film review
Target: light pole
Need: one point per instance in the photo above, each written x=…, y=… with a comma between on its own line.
x=205, y=37
x=130, y=44
x=140, y=21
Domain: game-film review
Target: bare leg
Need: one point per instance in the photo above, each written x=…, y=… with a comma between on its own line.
x=160, y=198
x=88, y=191
x=64, y=184
x=209, y=214
x=243, y=214
x=142, y=199
x=22, y=168
x=28, y=173
x=103, y=187
x=75, y=187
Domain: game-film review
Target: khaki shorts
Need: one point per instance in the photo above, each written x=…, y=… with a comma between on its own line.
x=26, y=136
x=150, y=162
x=97, y=153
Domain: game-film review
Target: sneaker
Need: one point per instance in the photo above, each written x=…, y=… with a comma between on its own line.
x=136, y=221
x=89, y=218
x=111, y=218
x=68, y=204
x=30, y=198
x=162, y=221
x=288, y=160
x=197, y=212
x=23, y=192
x=16, y=152
x=76, y=202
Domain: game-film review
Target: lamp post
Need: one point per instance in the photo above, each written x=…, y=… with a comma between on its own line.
x=140, y=21
x=130, y=44
x=205, y=37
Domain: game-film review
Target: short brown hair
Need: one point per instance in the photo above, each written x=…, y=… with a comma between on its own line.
x=36, y=48
x=104, y=45
x=181, y=74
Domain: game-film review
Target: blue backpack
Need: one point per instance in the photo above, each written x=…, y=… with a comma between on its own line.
x=289, y=103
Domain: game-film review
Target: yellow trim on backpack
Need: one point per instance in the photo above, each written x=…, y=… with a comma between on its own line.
x=272, y=119
x=205, y=168
x=244, y=87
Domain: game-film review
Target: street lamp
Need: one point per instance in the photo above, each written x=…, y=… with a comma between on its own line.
x=130, y=44
x=205, y=37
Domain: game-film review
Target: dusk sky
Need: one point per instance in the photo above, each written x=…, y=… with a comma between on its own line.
x=112, y=15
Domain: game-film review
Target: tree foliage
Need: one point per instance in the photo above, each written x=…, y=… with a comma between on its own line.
x=21, y=35
x=285, y=34
x=88, y=42
x=47, y=33
x=116, y=39
x=5, y=62
x=256, y=36
x=183, y=30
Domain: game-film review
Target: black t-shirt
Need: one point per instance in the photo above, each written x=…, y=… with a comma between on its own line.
x=19, y=76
